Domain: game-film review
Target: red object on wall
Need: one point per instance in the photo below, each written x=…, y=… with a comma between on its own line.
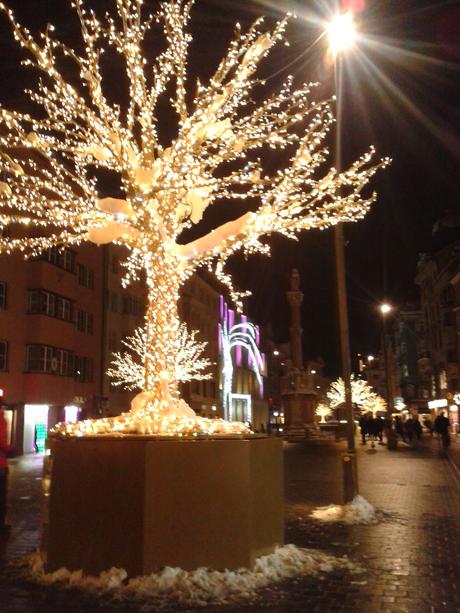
x=356, y=6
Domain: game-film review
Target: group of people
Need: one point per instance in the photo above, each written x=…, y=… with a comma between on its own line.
x=371, y=428
x=410, y=429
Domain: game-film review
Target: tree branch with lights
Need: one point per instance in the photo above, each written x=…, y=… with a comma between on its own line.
x=51, y=159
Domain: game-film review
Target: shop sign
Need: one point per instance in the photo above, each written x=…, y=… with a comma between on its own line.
x=437, y=404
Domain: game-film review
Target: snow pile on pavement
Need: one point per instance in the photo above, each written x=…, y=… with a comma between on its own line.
x=201, y=586
x=358, y=511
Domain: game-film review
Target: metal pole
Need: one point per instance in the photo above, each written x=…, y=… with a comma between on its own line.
x=344, y=334
x=349, y=465
x=392, y=440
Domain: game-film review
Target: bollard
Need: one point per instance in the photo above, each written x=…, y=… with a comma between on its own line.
x=392, y=440
x=350, y=477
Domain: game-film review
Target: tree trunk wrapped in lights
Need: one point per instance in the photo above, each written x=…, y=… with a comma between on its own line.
x=50, y=163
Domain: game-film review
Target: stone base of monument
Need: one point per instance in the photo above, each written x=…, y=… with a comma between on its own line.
x=141, y=503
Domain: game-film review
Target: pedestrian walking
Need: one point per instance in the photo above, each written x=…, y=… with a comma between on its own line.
x=4, y=451
x=364, y=426
x=399, y=427
x=441, y=427
x=409, y=429
x=380, y=425
x=417, y=428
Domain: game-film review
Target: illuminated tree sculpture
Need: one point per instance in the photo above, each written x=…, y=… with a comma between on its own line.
x=376, y=404
x=51, y=160
x=323, y=410
x=362, y=395
x=128, y=368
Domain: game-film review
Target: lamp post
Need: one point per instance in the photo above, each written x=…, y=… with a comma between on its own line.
x=341, y=33
x=392, y=440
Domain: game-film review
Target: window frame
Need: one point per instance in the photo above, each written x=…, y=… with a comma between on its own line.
x=42, y=361
x=3, y=295
x=4, y=355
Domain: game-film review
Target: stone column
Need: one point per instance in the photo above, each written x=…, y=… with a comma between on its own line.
x=295, y=299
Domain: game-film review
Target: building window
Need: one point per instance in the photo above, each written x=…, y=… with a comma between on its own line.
x=41, y=358
x=85, y=276
x=46, y=303
x=3, y=355
x=2, y=295
x=84, y=321
x=131, y=306
x=59, y=256
x=63, y=309
x=212, y=388
x=83, y=369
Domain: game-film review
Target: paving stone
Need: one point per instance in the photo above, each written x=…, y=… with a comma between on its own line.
x=411, y=558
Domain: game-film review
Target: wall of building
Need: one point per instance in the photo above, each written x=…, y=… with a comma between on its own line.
x=124, y=310
x=50, y=327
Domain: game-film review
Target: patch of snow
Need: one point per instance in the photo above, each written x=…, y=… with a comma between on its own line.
x=201, y=586
x=358, y=511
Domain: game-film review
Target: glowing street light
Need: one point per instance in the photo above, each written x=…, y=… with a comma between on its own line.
x=341, y=32
x=385, y=308
x=370, y=359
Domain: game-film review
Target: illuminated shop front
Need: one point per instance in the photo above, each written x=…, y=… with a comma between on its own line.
x=35, y=427
x=36, y=423
x=453, y=413
x=242, y=368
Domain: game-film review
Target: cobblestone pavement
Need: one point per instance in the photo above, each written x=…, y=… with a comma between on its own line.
x=411, y=559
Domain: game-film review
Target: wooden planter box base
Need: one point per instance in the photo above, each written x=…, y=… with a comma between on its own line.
x=142, y=504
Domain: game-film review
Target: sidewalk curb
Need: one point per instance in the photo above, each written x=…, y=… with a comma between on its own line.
x=454, y=467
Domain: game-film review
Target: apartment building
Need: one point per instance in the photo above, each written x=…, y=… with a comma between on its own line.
x=438, y=278
x=50, y=340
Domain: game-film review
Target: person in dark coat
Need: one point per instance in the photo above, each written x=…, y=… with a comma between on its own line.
x=441, y=427
x=399, y=427
x=364, y=426
x=4, y=449
x=409, y=429
x=417, y=428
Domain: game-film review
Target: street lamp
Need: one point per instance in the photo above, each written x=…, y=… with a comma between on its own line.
x=392, y=440
x=341, y=33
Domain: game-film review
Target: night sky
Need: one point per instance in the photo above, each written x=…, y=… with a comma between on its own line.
x=401, y=93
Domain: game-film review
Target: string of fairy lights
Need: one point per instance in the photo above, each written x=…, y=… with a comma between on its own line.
x=48, y=164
